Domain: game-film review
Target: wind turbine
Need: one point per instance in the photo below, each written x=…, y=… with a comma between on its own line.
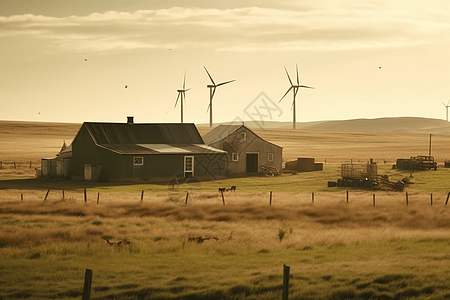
x=212, y=89
x=182, y=95
x=446, y=110
x=294, y=88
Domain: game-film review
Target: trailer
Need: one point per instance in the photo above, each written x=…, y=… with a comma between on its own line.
x=366, y=176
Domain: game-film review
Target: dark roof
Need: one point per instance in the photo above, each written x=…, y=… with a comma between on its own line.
x=222, y=131
x=144, y=133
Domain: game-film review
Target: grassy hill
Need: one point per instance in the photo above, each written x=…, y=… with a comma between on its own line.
x=397, y=124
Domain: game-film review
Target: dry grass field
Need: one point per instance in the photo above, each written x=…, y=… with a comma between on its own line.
x=336, y=249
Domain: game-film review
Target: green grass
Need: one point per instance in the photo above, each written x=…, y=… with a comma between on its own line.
x=397, y=269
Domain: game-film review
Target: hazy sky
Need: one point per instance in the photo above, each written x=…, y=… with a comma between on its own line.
x=366, y=59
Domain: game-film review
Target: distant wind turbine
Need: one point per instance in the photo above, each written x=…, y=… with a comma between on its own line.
x=446, y=110
x=182, y=96
x=212, y=89
x=294, y=88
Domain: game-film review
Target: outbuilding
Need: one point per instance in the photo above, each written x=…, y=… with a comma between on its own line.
x=152, y=152
x=247, y=153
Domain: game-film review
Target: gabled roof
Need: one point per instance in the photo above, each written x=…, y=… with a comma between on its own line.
x=143, y=133
x=222, y=131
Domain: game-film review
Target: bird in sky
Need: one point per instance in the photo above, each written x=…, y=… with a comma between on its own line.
x=126, y=86
x=85, y=59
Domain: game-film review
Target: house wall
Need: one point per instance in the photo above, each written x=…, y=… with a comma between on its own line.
x=235, y=143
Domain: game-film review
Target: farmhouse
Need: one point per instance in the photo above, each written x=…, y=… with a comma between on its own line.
x=246, y=151
x=143, y=152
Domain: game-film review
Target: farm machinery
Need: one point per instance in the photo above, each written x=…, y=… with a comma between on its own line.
x=366, y=176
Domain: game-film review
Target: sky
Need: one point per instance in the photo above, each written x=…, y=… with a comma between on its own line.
x=69, y=61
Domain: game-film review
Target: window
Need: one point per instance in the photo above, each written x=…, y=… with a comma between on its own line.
x=188, y=164
x=234, y=157
x=270, y=156
x=138, y=161
x=243, y=136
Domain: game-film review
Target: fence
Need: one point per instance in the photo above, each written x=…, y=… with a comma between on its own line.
x=226, y=198
x=19, y=165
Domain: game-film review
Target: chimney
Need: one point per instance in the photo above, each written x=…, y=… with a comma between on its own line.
x=130, y=120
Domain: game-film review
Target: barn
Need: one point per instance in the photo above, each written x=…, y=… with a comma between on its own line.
x=247, y=153
x=151, y=152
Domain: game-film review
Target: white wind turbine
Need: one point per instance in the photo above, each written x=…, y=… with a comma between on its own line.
x=294, y=88
x=182, y=96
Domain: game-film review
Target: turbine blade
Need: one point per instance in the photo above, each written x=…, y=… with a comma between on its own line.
x=177, y=100
x=209, y=76
x=298, y=80
x=288, y=76
x=448, y=102
x=187, y=89
x=444, y=104
x=305, y=86
x=289, y=89
x=226, y=82
x=209, y=105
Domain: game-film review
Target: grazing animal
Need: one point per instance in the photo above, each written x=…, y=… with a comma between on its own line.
x=233, y=189
x=222, y=189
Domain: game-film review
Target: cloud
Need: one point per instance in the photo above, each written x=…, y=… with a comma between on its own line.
x=342, y=24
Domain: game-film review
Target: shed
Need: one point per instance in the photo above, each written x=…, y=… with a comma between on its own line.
x=153, y=152
x=247, y=153
x=59, y=166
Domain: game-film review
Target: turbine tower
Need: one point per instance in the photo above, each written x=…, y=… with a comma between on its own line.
x=294, y=88
x=182, y=96
x=212, y=89
x=446, y=110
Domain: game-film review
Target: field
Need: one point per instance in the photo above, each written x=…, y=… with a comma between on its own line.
x=336, y=247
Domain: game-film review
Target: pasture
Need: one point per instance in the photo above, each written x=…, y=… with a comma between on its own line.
x=336, y=249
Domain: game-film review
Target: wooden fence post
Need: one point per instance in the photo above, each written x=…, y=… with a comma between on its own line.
x=15, y=167
x=448, y=195
x=1, y=165
x=431, y=199
x=347, y=196
x=85, y=196
x=312, y=197
x=373, y=200
x=21, y=197
x=63, y=193
x=87, y=285
x=223, y=199
x=187, y=197
x=142, y=195
x=407, y=199
x=98, y=197
x=270, y=201
x=48, y=191
x=286, y=270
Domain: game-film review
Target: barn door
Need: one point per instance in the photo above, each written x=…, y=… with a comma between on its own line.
x=252, y=163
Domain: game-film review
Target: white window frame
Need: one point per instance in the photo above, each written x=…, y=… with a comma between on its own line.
x=192, y=165
x=235, y=156
x=270, y=156
x=243, y=136
x=138, y=157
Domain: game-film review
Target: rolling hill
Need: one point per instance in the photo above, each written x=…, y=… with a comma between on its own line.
x=388, y=124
